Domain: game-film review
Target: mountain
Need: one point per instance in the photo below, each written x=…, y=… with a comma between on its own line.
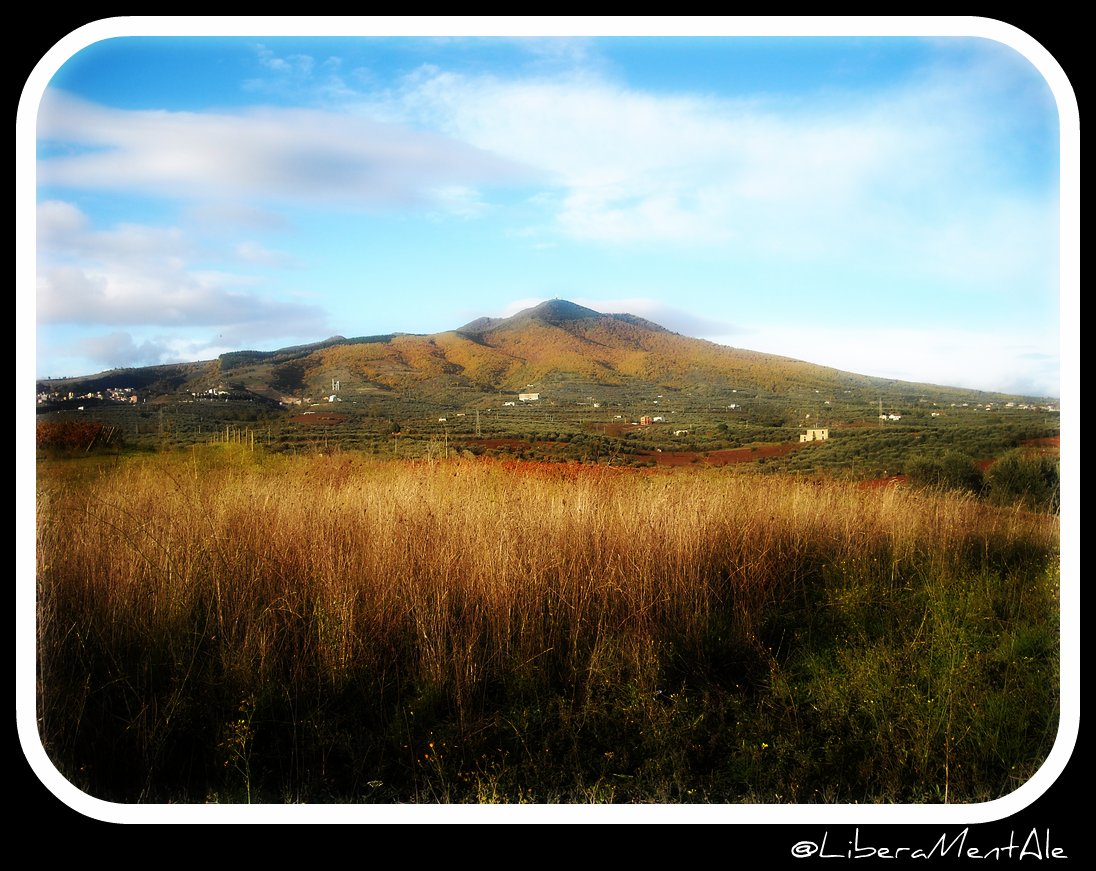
x=556, y=346
x=560, y=343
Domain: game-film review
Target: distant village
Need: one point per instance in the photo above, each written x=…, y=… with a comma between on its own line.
x=127, y=395
x=111, y=394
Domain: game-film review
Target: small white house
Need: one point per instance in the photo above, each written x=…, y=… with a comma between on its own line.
x=528, y=397
x=814, y=435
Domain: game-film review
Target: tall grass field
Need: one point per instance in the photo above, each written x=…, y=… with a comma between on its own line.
x=223, y=625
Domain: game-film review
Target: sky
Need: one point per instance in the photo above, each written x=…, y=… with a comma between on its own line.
x=887, y=205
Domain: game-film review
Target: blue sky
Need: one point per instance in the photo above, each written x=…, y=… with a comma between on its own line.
x=887, y=205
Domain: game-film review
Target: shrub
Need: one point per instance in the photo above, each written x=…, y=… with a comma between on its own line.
x=73, y=435
x=1030, y=479
x=953, y=470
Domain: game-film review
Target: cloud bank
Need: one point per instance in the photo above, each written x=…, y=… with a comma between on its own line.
x=262, y=154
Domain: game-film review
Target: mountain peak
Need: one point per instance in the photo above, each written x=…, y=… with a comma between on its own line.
x=559, y=313
x=555, y=311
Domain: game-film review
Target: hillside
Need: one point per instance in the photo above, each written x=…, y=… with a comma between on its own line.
x=557, y=346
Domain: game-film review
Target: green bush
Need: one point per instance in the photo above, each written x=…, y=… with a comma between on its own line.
x=952, y=470
x=1030, y=479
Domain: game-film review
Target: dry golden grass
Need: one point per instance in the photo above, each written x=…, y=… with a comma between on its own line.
x=450, y=578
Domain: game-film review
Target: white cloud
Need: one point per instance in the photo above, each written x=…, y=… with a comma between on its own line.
x=118, y=349
x=140, y=275
x=57, y=221
x=917, y=177
x=121, y=348
x=169, y=296
x=253, y=252
x=459, y=200
x=299, y=75
x=635, y=166
x=261, y=155
x=300, y=64
x=920, y=177
x=65, y=233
